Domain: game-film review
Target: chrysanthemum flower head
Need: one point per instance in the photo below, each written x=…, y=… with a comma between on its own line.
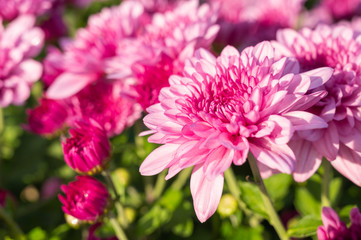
x=12, y=9
x=338, y=47
x=86, y=199
x=225, y=107
x=87, y=150
x=333, y=228
x=85, y=58
x=19, y=42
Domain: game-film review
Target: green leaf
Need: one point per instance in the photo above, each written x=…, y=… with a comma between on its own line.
x=157, y=216
x=171, y=199
x=37, y=234
x=305, y=227
x=184, y=229
x=278, y=187
x=335, y=188
x=306, y=203
x=251, y=195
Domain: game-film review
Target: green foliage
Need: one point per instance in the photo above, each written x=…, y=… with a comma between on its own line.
x=305, y=227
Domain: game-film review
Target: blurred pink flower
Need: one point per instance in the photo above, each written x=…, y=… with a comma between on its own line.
x=47, y=118
x=337, y=47
x=10, y=9
x=105, y=103
x=87, y=150
x=334, y=229
x=158, y=6
x=245, y=22
x=85, y=57
x=173, y=37
x=19, y=42
x=225, y=107
x=86, y=199
x=342, y=8
x=50, y=188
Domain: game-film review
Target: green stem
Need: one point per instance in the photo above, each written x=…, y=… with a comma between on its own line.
x=181, y=179
x=13, y=227
x=273, y=216
x=117, y=228
x=159, y=185
x=234, y=190
x=325, y=185
x=118, y=205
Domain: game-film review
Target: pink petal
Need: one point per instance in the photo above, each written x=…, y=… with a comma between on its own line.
x=158, y=160
x=330, y=218
x=319, y=76
x=30, y=70
x=348, y=163
x=206, y=194
x=328, y=145
x=275, y=156
x=308, y=160
x=68, y=84
x=263, y=50
x=217, y=162
x=303, y=120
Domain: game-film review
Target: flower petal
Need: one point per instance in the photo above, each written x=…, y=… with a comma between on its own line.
x=206, y=194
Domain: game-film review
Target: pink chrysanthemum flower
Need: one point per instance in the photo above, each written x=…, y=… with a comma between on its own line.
x=334, y=229
x=225, y=107
x=19, y=42
x=104, y=103
x=173, y=37
x=47, y=118
x=86, y=199
x=251, y=21
x=87, y=151
x=158, y=6
x=10, y=9
x=337, y=47
x=85, y=57
x=342, y=8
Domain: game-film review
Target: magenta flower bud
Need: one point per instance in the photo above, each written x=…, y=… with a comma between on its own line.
x=48, y=118
x=87, y=151
x=86, y=199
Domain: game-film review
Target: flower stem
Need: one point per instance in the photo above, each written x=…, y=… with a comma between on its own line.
x=181, y=179
x=273, y=216
x=13, y=227
x=117, y=228
x=118, y=205
x=325, y=185
x=159, y=185
x=234, y=190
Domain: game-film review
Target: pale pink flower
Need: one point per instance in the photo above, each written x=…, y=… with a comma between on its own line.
x=19, y=42
x=154, y=6
x=251, y=21
x=334, y=229
x=85, y=57
x=10, y=9
x=337, y=47
x=225, y=107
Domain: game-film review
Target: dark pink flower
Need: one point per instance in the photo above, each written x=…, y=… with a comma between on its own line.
x=19, y=42
x=47, y=118
x=50, y=188
x=342, y=8
x=334, y=229
x=87, y=150
x=11, y=9
x=105, y=103
x=251, y=21
x=86, y=199
x=338, y=47
x=225, y=107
